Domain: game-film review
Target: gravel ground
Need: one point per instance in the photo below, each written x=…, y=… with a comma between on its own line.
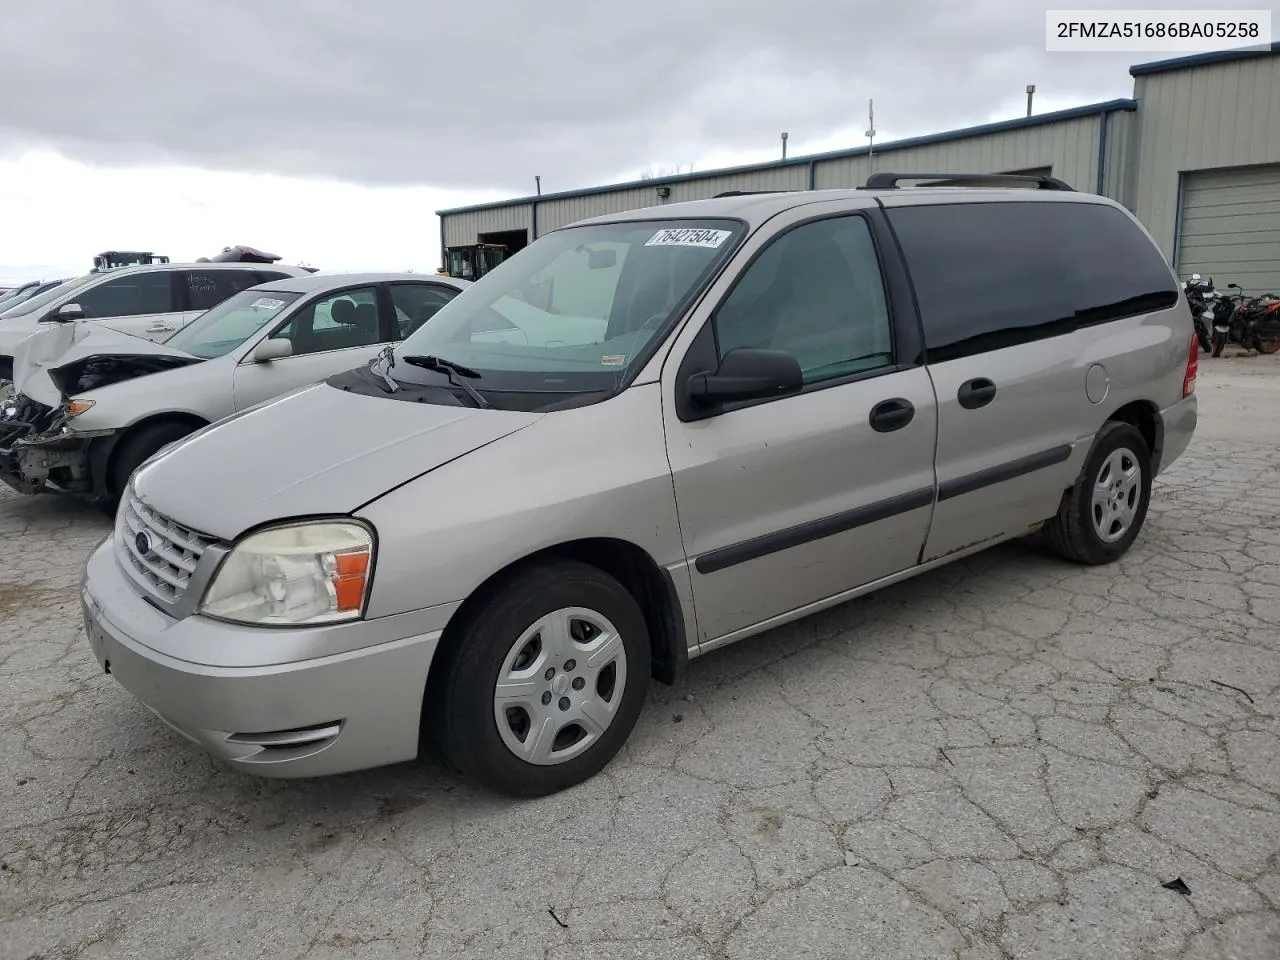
x=1010, y=757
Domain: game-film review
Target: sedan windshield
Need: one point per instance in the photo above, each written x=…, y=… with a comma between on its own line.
x=37, y=303
x=221, y=329
x=575, y=311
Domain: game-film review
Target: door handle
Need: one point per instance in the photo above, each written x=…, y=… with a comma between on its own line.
x=976, y=393
x=891, y=414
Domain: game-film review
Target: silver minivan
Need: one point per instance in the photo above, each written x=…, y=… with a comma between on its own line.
x=644, y=437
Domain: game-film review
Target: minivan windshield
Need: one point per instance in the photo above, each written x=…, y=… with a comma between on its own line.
x=221, y=329
x=37, y=303
x=574, y=311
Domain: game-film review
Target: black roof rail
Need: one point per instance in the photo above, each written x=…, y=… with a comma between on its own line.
x=745, y=193
x=889, y=181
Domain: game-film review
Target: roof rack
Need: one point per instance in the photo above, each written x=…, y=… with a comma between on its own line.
x=744, y=193
x=889, y=181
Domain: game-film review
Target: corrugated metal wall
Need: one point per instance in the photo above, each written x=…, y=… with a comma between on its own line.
x=1120, y=166
x=1069, y=147
x=1201, y=118
x=466, y=227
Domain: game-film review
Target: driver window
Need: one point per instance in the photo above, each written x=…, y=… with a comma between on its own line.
x=336, y=322
x=815, y=292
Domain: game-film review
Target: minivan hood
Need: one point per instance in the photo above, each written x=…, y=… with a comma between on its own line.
x=71, y=358
x=318, y=451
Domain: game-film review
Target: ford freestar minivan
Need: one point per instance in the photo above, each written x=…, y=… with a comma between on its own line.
x=644, y=437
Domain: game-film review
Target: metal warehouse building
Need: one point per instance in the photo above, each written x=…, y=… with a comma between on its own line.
x=1195, y=154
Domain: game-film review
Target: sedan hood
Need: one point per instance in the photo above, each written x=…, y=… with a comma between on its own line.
x=318, y=451
x=69, y=358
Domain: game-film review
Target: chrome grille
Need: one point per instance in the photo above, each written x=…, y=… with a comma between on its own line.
x=165, y=570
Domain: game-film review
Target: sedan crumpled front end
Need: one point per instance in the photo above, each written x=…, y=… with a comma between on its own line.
x=41, y=449
x=38, y=449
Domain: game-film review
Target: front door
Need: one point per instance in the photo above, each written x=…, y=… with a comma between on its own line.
x=336, y=332
x=790, y=501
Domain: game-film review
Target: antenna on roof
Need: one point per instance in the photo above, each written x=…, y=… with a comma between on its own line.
x=871, y=127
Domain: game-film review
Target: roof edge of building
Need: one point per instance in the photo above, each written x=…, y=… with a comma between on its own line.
x=1202, y=60
x=999, y=126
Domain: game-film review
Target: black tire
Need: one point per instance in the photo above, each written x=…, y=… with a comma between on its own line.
x=1073, y=534
x=132, y=452
x=1267, y=339
x=461, y=708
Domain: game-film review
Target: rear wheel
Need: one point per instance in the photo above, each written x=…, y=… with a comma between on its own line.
x=544, y=682
x=1267, y=339
x=1103, y=513
x=132, y=452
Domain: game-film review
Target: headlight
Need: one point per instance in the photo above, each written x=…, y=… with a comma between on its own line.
x=297, y=574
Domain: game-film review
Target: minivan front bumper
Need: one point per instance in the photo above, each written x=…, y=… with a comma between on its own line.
x=315, y=717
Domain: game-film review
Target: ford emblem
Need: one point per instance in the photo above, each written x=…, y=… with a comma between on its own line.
x=143, y=543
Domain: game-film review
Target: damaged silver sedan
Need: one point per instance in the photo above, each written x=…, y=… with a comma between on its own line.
x=88, y=405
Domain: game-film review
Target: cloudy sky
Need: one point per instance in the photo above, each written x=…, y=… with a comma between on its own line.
x=329, y=131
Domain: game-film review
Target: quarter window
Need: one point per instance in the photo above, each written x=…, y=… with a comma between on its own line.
x=994, y=275
x=131, y=295
x=817, y=293
x=336, y=322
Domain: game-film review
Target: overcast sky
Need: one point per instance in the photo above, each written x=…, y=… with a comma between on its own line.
x=329, y=131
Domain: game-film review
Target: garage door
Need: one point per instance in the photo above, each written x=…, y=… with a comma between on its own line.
x=1230, y=228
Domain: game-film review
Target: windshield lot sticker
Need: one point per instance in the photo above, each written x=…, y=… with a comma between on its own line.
x=615, y=360
x=687, y=237
x=266, y=303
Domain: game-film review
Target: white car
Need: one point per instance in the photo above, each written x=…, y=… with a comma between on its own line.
x=152, y=301
x=91, y=404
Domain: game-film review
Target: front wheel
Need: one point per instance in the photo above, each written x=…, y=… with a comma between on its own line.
x=133, y=451
x=543, y=684
x=1102, y=514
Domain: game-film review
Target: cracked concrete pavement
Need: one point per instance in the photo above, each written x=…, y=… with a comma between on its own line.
x=1006, y=758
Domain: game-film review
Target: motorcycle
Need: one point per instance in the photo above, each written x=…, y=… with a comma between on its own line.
x=1250, y=322
x=1202, y=299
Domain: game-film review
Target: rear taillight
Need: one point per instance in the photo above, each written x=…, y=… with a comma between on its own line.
x=1193, y=365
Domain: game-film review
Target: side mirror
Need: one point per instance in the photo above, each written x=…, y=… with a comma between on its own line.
x=67, y=313
x=275, y=348
x=747, y=374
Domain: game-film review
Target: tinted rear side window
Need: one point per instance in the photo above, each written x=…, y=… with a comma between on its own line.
x=994, y=275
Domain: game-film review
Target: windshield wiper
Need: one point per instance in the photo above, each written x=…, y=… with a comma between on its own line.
x=453, y=371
